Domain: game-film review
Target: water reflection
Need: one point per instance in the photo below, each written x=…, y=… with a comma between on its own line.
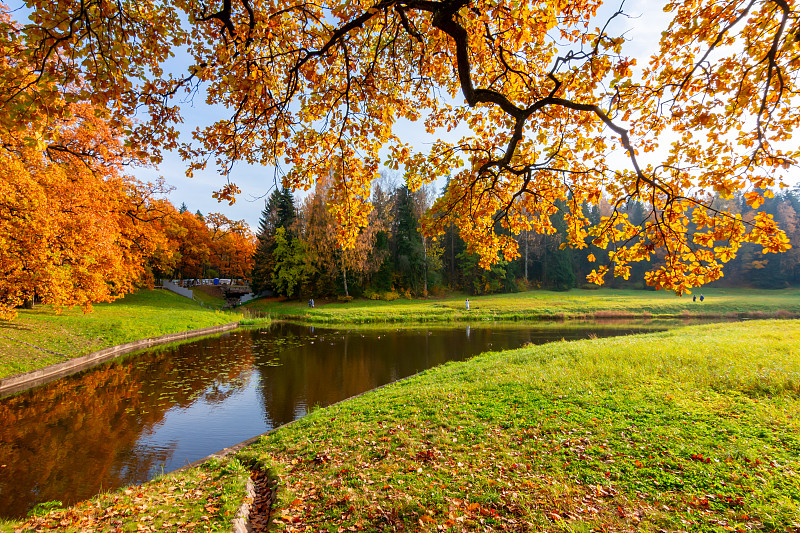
x=131, y=419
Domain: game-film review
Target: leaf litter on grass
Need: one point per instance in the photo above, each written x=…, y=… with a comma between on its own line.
x=200, y=499
x=550, y=439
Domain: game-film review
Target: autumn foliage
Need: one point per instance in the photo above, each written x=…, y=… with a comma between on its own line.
x=72, y=226
x=558, y=113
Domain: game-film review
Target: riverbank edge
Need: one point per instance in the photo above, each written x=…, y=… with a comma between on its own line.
x=241, y=522
x=28, y=380
x=478, y=315
x=509, y=316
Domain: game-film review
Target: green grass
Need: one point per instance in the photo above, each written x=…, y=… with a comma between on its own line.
x=72, y=333
x=208, y=300
x=532, y=305
x=694, y=429
x=691, y=430
x=198, y=499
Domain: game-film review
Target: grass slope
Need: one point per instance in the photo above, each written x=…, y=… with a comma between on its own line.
x=603, y=303
x=73, y=333
x=199, y=499
x=688, y=430
x=209, y=295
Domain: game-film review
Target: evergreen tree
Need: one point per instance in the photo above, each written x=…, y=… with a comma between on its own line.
x=279, y=212
x=408, y=250
x=560, y=263
x=183, y=208
x=478, y=280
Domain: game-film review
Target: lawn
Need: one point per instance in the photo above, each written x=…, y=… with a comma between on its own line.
x=694, y=429
x=41, y=336
x=206, y=498
x=533, y=305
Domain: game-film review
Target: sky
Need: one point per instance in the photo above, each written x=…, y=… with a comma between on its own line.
x=643, y=29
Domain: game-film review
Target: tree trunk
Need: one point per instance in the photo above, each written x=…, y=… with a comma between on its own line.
x=425, y=268
x=526, y=255
x=344, y=277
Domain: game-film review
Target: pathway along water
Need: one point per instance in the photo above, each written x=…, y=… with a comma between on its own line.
x=129, y=420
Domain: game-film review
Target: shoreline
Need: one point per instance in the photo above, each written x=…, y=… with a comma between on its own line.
x=27, y=380
x=476, y=315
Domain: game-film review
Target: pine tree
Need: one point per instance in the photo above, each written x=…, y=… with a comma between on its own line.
x=279, y=212
x=409, y=260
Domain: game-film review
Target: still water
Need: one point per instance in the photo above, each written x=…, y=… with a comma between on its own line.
x=129, y=420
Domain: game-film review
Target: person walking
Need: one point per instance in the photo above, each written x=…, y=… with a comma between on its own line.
x=467, y=304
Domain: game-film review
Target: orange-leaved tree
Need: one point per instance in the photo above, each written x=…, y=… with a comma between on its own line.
x=557, y=112
x=232, y=246
x=73, y=227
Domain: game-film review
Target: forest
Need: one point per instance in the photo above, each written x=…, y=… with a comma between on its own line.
x=297, y=256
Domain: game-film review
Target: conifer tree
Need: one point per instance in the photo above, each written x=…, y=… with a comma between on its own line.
x=279, y=212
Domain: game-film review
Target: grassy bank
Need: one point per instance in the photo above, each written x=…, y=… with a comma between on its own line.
x=206, y=498
x=533, y=305
x=28, y=342
x=693, y=429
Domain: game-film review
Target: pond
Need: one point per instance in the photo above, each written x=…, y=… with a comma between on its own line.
x=129, y=420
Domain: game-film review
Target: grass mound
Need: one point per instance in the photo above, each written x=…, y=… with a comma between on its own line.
x=206, y=498
x=690, y=430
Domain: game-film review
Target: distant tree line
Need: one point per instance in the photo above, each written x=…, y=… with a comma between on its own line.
x=197, y=246
x=297, y=255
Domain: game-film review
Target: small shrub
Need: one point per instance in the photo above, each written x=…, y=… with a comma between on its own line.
x=389, y=296
x=435, y=291
x=344, y=299
x=41, y=509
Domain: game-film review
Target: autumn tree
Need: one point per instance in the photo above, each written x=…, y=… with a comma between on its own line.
x=194, y=245
x=73, y=228
x=338, y=269
x=231, y=246
x=546, y=89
